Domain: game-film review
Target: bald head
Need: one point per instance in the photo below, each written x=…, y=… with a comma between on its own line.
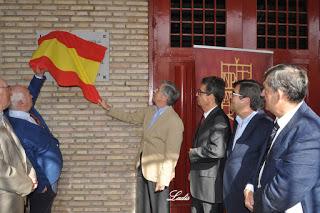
x=4, y=95
x=21, y=99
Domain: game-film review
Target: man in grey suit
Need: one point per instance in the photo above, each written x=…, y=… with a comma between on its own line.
x=17, y=177
x=288, y=179
x=208, y=150
x=252, y=128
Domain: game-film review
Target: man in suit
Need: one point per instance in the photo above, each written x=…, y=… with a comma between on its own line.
x=289, y=176
x=160, y=147
x=208, y=149
x=252, y=128
x=41, y=147
x=17, y=177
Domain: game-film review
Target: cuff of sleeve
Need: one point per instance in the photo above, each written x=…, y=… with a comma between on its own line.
x=249, y=187
x=39, y=77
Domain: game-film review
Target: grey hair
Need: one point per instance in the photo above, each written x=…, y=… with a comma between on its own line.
x=290, y=79
x=170, y=90
x=15, y=98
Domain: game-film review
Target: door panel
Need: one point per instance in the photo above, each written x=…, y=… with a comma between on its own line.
x=185, y=107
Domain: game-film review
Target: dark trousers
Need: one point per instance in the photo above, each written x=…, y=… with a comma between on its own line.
x=147, y=200
x=200, y=206
x=41, y=202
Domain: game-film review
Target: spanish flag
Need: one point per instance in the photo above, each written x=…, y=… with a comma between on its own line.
x=72, y=61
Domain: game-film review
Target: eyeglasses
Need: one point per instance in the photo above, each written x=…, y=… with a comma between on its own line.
x=199, y=92
x=236, y=94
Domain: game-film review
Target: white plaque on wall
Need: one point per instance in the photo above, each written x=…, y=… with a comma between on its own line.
x=101, y=38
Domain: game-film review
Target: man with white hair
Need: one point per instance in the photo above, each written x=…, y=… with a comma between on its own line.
x=289, y=176
x=41, y=147
x=17, y=177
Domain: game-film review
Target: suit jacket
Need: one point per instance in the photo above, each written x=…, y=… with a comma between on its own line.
x=41, y=147
x=207, y=155
x=160, y=143
x=14, y=169
x=242, y=161
x=292, y=170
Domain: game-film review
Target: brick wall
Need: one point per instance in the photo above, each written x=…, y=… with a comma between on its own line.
x=99, y=152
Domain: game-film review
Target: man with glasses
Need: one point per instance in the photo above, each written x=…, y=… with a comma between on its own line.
x=208, y=149
x=252, y=128
x=160, y=147
x=17, y=177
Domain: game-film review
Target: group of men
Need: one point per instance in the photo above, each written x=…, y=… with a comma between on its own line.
x=263, y=165
x=30, y=157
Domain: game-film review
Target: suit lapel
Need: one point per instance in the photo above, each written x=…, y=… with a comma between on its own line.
x=160, y=119
x=19, y=147
x=204, y=126
x=247, y=132
x=230, y=143
x=249, y=128
x=286, y=129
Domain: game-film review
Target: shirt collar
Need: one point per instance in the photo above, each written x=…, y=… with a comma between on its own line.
x=284, y=120
x=205, y=114
x=162, y=109
x=246, y=119
x=19, y=114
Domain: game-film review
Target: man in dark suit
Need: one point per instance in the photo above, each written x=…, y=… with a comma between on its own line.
x=289, y=178
x=17, y=177
x=41, y=147
x=252, y=128
x=208, y=150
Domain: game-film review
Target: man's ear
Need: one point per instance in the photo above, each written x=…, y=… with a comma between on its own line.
x=246, y=99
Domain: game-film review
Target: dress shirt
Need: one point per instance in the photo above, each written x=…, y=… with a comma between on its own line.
x=205, y=114
x=242, y=124
x=282, y=122
x=157, y=114
x=22, y=115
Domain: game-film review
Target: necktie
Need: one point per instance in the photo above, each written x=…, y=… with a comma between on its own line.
x=202, y=120
x=271, y=137
x=269, y=143
x=35, y=118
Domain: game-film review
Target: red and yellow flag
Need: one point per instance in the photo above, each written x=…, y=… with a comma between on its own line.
x=72, y=61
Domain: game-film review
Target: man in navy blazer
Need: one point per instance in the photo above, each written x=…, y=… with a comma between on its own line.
x=252, y=128
x=289, y=178
x=41, y=147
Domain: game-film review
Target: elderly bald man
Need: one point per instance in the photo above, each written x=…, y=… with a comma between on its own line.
x=41, y=147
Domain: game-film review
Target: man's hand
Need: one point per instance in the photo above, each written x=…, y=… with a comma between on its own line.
x=104, y=104
x=248, y=199
x=44, y=190
x=39, y=72
x=159, y=187
x=32, y=175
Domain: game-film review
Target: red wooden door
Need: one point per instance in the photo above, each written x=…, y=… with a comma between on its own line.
x=179, y=188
